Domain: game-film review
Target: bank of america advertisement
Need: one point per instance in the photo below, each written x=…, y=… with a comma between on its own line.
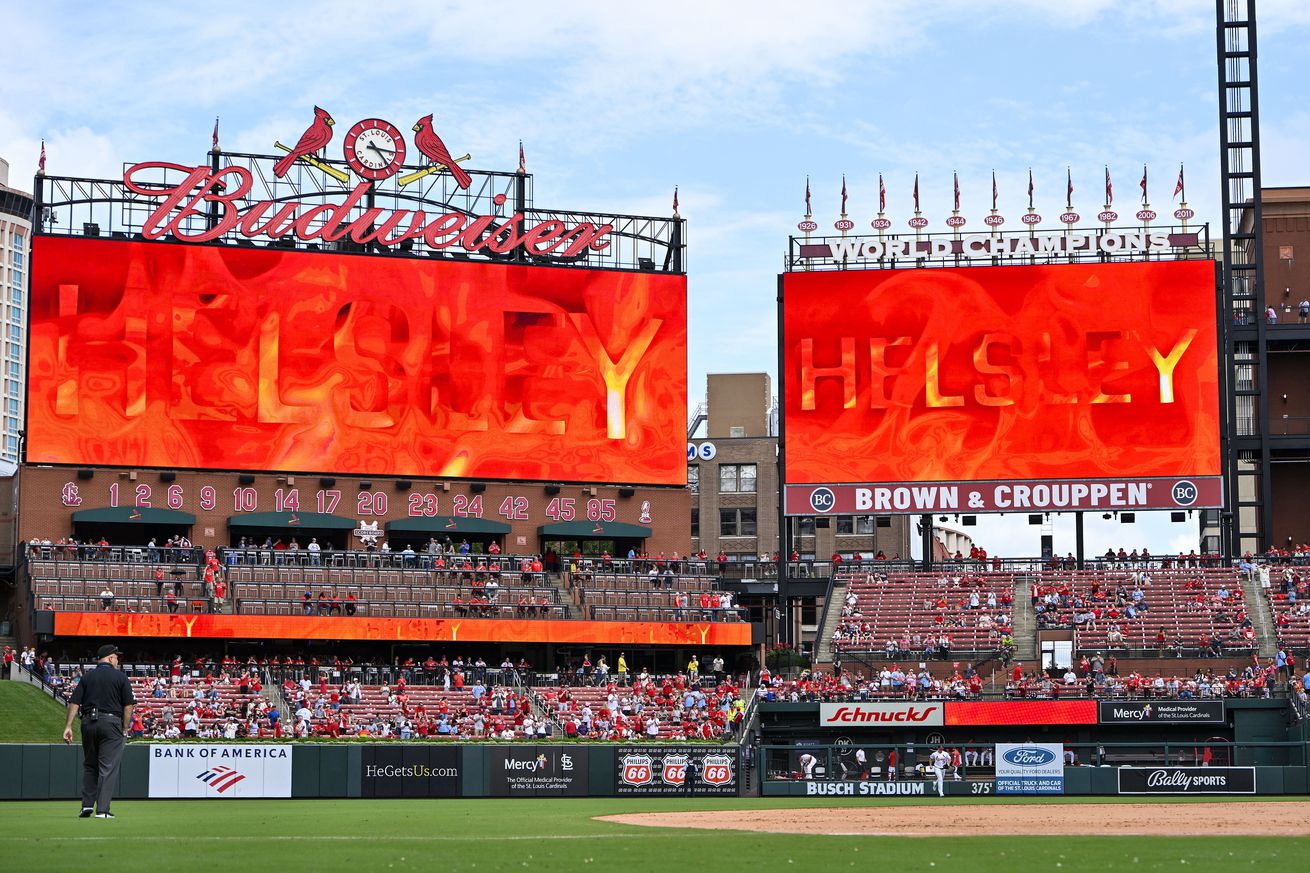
x=218, y=770
x=1029, y=768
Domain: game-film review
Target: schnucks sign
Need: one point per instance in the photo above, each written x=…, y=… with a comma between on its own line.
x=907, y=714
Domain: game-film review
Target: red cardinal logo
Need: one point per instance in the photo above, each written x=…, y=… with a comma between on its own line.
x=427, y=141
x=318, y=135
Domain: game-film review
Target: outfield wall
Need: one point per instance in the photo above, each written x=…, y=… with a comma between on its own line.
x=1085, y=781
x=308, y=770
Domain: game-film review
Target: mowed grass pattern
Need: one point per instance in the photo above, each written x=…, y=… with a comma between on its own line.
x=484, y=836
x=28, y=716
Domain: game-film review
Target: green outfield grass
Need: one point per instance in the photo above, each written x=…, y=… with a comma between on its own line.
x=28, y=716
x=485, y=836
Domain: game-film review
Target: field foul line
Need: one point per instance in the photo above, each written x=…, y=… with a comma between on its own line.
x=362, y=838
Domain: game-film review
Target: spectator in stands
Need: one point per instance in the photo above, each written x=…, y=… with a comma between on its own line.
x=106, y=599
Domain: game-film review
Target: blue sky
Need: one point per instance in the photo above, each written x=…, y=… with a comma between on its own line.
x=735, y=103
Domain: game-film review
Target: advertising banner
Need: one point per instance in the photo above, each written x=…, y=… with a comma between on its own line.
x=241, y=358
x=1061, y=386
x=537, y=771
x=1020, y=712
x=1086, y=494
x=360, y=627
x=676, y=770
x=1154, y=711
x=239, y=770
x=1187, y=780
x=418, y=770
x=1029, y=768
x=878, y=714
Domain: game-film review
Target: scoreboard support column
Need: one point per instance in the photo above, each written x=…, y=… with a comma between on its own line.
x=925, y=528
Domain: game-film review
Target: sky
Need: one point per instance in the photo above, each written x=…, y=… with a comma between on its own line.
x=736, y=104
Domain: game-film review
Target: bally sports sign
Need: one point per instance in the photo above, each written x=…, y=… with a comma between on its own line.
x=908, y=714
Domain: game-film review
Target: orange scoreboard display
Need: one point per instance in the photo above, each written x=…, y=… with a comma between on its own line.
x=240, y=358
x=1049, y=387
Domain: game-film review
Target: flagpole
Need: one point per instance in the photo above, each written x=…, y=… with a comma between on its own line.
x=956, y=221
x=918, y=222
x=1032, y=219
x=1069, y=218
x=807, y=225
x=843, y=224
x=1145, y=215
x=1182, y=213
x=994, y=221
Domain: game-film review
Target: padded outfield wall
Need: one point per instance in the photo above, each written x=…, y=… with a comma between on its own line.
x=244, y=770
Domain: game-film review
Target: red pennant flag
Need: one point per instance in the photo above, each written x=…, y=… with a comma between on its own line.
x=1144, y=200
x=1069, y=193
x=993, y=190
x=808, y=210
x=215, y=138
x=1109, y=189
x=1179, y=188
x=1030, y=188
x=916, y=192
x=523, y=163
x=957, y=191
x=843, y=194
x=675, y=199
x=882, y=195
x=40, y=164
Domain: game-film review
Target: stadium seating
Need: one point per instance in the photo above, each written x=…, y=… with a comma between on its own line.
x=622, y=594
x=508, y=713
x=361, y=583
x=1183, y=604
x=1288, y=590
x=903, y=614
x=916, y=610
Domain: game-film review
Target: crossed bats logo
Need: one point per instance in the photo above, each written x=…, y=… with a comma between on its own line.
x=319, y=133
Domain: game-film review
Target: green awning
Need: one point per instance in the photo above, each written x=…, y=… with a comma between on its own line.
x=292, y=520
x=583, y=530
x=133, y=515
x=447, y=524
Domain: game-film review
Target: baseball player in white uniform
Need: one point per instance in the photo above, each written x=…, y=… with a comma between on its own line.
x=940, y=761
x=807, y=762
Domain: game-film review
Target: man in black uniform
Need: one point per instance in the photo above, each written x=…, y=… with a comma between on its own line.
x=104, y=698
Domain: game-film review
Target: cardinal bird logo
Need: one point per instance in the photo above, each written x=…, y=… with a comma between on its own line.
x=427, y=142
x=315, y=137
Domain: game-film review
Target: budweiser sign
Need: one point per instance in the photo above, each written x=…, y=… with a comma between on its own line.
x=218, y=198
x=847, y=714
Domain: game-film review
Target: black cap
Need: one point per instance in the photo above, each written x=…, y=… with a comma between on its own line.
x=107, y=650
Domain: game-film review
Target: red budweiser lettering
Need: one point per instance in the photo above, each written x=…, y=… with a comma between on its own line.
x=873, y=713
x=229, y=187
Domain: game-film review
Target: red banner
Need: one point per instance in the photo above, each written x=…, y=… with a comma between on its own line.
x=470, y=630
x=1045, y=373
x=240, y=358
x=1020, y=712
x=1096, y=494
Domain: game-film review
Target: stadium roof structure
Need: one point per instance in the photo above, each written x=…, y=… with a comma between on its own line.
x=447, y=524
x=291, y=520
x=133, y=515
x=592, y=529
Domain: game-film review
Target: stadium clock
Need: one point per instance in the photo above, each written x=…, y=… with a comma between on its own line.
x=375, y=149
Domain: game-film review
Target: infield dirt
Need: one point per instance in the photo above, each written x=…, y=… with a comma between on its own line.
x=992, y=819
